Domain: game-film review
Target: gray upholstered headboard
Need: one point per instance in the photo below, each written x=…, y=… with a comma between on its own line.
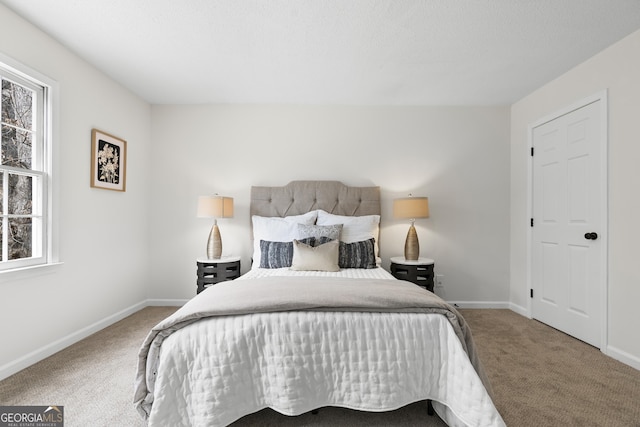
x=299, y=197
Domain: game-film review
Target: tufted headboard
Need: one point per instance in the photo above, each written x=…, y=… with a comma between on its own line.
x=299, y=197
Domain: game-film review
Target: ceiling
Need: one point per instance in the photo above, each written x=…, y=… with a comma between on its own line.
x=352, y=52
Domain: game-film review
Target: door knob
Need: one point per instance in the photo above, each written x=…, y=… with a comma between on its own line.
x=591, y=236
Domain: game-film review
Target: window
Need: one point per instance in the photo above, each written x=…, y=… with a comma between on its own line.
x=25, y=167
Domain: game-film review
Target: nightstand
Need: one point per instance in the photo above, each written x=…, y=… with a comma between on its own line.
x=212, y=271
x=419, y=272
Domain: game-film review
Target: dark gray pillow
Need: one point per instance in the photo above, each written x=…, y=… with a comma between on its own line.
x=357, y=254
x=278, y=254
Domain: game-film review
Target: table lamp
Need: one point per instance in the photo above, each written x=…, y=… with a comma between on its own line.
x=215, y=207
x=412, y=208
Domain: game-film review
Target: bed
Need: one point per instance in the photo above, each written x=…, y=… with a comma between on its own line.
x=316, y=322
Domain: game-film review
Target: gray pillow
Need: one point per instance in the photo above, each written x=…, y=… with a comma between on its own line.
x=318, y=258
x=278, y=254
x=329, y=232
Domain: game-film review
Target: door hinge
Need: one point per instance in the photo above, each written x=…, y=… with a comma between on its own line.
x=531, y=151
x=531, y=293
x=532, y=222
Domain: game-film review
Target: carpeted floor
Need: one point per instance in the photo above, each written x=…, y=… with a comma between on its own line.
x=540, y=377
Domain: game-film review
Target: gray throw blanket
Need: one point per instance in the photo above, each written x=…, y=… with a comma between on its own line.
x=275, y=294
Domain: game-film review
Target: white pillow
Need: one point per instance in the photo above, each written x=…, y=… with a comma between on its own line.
x=315, y=258
x=276, y=229
x=354, y=228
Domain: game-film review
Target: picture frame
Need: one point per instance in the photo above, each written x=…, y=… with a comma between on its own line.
x=108, y=161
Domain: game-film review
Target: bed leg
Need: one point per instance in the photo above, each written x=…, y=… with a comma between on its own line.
x=315, y=411
x=430, y=410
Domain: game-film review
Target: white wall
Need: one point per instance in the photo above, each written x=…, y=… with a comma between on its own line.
x=103, y=234
x=616, y=69
x=458, y=157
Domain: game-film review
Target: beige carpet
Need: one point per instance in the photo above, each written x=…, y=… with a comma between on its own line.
x=540, y=377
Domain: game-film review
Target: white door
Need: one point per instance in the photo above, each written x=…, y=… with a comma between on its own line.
x=568, y=265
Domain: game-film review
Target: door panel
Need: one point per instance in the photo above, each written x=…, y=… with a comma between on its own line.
x=577, y=192
x=551, y=273
x=550, y=203
x=578, y=279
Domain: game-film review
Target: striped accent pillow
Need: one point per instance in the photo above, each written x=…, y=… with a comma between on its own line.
x=278, y=254
x=357, y=254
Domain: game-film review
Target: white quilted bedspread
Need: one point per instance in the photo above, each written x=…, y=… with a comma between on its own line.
x=217, y=370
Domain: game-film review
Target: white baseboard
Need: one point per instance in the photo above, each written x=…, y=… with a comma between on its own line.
x=522, y=311
x=43, y=352
x=624, y=357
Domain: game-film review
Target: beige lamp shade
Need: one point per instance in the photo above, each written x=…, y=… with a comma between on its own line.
x=412, y=208
x=215, y=207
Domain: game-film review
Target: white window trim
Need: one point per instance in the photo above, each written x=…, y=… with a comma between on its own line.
x=50, y=153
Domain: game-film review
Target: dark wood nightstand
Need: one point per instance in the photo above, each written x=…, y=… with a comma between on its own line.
x=212, y=271
x=419, y=272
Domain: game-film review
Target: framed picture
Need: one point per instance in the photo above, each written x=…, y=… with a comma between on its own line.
x=108, y=161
